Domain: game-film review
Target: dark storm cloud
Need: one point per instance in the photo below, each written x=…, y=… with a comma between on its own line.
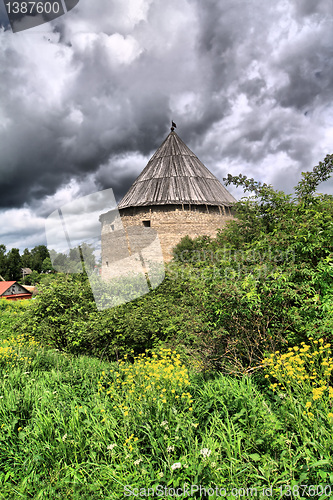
x=46, y=144
x=309, y=8
x=253, y=88
x=310, y=75
x=231, y=36
x=117, y=102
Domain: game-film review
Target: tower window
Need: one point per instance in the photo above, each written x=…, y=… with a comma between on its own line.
x=112, y=227
x=146, y=223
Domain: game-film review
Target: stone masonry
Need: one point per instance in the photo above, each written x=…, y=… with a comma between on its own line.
x=171, y=222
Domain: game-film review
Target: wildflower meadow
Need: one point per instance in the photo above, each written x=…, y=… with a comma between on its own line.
x=79, y=427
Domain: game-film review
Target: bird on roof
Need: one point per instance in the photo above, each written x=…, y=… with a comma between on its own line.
x=173, y=125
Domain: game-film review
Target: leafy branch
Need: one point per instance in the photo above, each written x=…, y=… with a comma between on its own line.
x=310, y=180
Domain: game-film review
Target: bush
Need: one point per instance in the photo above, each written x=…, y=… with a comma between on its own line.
x=60, y=306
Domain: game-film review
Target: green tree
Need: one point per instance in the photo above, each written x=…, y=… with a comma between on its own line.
x=13, y=271
x=26, y=258
x=3, y=261
x=87, y=254
x=38, y=254
x=305, y=189
x=32, y=278
x=47, y=265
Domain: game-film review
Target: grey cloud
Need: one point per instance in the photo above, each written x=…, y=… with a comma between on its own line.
x=305, y=8
x=309, y=67
x=270, y=134
x=232, y=35
x=253, y=88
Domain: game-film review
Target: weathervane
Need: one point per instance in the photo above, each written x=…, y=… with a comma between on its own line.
x=173, y=126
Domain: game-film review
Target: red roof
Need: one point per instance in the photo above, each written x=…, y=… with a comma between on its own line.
x=4, y=285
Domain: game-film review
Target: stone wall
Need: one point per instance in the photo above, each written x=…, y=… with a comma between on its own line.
x=171, y=222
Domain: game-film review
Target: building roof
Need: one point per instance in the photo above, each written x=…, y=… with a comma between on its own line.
x=175, y=175
x=31, y=288
x=4, y=285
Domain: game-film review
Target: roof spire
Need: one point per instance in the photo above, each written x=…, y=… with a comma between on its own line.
x=173, y=126
x=174, y=175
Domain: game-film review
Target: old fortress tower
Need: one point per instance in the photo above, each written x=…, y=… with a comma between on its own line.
x=176, y=195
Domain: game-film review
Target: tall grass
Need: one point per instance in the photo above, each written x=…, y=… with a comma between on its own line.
x=76, y=427
x=10, y=311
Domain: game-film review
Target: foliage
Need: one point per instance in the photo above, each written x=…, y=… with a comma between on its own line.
x=14, y=350
x=64, y=315
x=26, y=258
x=13, y=265
x=2, y=260
x=71, y=427
x=159, y=380
x=305, y=189
x=61, y=305
x=11, y=313
x=78, y=259
x=301, y=379
x=304, y=372
x=32, y=278
x=38, y=255
x=12, y=262
x=47, y=265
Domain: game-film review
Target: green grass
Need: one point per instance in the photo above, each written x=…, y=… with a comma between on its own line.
x=9, y=312
x=77, y=427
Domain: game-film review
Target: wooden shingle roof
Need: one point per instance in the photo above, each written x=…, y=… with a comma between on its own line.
x=174, y=175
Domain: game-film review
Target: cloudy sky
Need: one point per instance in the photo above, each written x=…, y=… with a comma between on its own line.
x=86, y=99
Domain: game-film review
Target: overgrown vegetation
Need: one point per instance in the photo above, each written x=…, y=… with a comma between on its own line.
x=263, y=284
x=239, y=392
x=77, y=427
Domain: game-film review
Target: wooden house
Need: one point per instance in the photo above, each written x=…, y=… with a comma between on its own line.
x=12, y=290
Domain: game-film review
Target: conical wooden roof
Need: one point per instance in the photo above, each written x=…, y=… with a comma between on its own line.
x=174, y=175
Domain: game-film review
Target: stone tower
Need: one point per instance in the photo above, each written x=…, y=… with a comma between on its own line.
x=176, y=195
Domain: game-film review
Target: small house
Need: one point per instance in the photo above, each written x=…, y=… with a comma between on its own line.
x=25, y=271
x=12, y=290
